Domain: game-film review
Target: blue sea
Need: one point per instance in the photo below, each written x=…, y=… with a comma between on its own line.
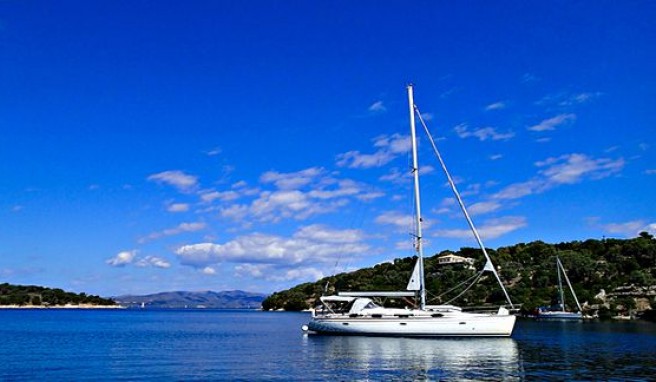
x=219, y=345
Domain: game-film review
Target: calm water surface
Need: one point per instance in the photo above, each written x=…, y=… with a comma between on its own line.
x=249, y=345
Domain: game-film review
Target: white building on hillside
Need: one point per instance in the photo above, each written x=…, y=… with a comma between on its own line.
x=453, y=259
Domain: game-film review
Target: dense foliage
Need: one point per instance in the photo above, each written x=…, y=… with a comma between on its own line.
x=527, y=270
x=36, y=295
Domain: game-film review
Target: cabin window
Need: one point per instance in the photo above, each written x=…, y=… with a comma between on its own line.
x=370, y=305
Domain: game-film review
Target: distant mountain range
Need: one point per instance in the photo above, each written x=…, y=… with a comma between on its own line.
x=235, y=299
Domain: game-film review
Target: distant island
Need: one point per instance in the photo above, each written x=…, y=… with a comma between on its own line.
x=235, y=299
x=611, y=277
x=32, y=296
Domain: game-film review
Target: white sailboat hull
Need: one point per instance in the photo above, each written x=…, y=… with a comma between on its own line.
x=461, y=325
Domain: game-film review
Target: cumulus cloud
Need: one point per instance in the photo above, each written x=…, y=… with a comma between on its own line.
x=292, y=180
x=483, y=133
x=272, y=273
x=566, y=169
x=175, y=178
x=388, y=148
x=178, y=207
x=224, y=196
x=552, y=123
x=490, y=229
x=153, y=261
x=181, y=228
x=299, y=195
x=122, y=258
x=208, y=271
x=572, y=168
x=311, y=244
x=481, y=208
x=402, y=222
x=130, y=258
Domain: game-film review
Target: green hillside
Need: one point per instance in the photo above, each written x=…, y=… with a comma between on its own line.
x=624, y=268
x=26, y=295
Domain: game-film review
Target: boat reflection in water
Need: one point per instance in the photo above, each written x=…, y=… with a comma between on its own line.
x=397, y=358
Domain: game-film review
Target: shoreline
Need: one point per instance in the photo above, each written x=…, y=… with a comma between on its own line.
x=66, y=306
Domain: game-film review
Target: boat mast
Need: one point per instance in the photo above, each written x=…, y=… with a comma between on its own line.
x=569, y=284
x=561, y=297
x=415, y=173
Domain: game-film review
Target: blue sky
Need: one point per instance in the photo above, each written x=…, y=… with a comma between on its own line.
x=211, y=145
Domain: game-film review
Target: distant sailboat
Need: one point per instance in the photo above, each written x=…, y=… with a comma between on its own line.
x=355, y=313
x=559, y=312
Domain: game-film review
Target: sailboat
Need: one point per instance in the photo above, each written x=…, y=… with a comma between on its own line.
x=559, y=312
x=356, y=313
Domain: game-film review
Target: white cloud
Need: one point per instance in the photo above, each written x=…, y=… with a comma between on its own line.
x=208, y=271
x=483, y=133
x=320, y=233
x=122, y=258
x=402, y=222
x=153, y=261
x=651, y=228
x=368, y=196
x=650, y=172
x=299, y=195
x=312, y=244
x=178, y=207
x=495, y=106
x=496, y=156
x=181, y=228
x=175, y=178
x=627, y=229
x=252, y=270
x=566, y=169
x=566, y=99
x=273, y=206
x=446, y=206
x=214, y=152
x=224, y=196
x=552, y=123
x=272, y=273
x=491, y=229
x=572, y=168
x=292, y=180
x=377, y=107
x=395, y=176
x=483, y=207
x=389, y=147
x=520, y=190
x=308, y=273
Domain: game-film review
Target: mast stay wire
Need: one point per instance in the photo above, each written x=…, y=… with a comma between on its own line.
x=488, y=265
